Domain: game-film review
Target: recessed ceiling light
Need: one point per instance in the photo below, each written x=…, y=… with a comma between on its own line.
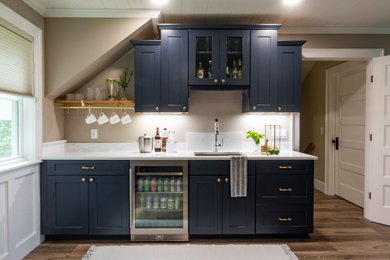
x=159, y=2
x=291, y=2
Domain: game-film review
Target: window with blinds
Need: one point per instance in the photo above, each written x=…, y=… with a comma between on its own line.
x=16, y=63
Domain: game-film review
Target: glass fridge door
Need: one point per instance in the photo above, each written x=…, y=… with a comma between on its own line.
x=158, y=200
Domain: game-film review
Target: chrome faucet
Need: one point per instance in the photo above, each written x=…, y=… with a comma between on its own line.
x=216, y=135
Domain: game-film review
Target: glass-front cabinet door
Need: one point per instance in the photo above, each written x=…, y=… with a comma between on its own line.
x=203, y=57
x=234, y=57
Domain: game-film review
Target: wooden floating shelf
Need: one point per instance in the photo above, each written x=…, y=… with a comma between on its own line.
x=96, y=102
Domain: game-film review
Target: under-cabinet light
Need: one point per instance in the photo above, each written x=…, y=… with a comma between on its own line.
x=159, y=2
x=291, y=2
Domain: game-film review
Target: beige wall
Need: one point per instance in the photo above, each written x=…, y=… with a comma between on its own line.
x=313, y=114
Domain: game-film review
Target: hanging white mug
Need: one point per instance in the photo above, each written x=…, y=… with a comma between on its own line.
x=91, y=118
x=102, y=118
x=114, y=118
x=125, y=118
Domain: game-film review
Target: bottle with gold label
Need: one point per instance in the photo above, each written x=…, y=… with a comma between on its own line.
x=200, y=71
x=235, y=71
x=239, y=72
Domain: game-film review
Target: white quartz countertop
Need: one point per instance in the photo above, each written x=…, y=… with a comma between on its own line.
x=181, y=155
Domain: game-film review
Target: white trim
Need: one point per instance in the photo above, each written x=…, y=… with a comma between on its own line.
x=333, y=30
x=104, y=13
x=21, y=23
x=319, y=185
x=340, y=54
x=37, y=6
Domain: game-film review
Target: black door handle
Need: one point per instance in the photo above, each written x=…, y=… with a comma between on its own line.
x=336, y=142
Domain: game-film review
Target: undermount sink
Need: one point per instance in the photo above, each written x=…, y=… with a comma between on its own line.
x=216, y=153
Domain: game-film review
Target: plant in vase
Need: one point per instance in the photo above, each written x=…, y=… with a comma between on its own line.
x=124, y=80
x=255, y=137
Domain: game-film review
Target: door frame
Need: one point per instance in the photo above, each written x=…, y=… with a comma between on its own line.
x=330, y=90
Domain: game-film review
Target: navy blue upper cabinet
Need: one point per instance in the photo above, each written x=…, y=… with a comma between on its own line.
x=262, y=92
x=147, y=75
x=219, y=57
x=289, y=85
x=174, y=71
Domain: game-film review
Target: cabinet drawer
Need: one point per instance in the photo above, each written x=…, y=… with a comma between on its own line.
x=284, y=218
x=284, y=188
x=87, y=167
x=284, y=167
x=210, y=167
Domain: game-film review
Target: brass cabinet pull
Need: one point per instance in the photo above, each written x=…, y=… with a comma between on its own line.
x=254, y=108
x=288, y=189
x=83, y=179
x=285, y=219
x=88, y=167
x=219, y=180
x=279, y=108
x=184, y=108
x=223, y=81
x=215, y=81
x=285, y=167
x=157, y=108
x=226, y=180
x=91, y=179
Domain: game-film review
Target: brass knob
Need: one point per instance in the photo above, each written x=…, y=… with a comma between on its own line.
x=83, y=179
x=226, y=180
x=184, y=108
x=279, y=108
x=254, y=108
x=215, y=81
x=219, y=180
x=285, y=219
x=91, y=179
x=157, y=108
x=223, y=81
x=88, y=167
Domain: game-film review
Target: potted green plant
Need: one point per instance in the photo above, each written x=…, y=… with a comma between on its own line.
x=124, y=80
x=255, y=137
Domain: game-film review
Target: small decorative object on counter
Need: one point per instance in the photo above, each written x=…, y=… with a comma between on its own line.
x=255, y=137
x=272, y=135
x=171, y=143
x=164, y=140
x=157, y=141
x=145, y=144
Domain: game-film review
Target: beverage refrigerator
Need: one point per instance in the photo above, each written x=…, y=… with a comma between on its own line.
x=159, y=200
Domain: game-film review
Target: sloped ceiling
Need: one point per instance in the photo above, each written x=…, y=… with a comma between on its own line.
x=77, y=49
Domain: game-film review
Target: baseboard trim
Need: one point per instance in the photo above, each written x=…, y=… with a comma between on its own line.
x=319, y=185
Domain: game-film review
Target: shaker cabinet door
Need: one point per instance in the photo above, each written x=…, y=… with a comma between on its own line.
x=147, y=78
x=205, y=204
x=109, y=205
x=239, y=213
x=174, y=71
x=67, y=205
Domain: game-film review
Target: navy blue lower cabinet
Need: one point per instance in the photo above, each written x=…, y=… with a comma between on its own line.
x=239, y=213
x=109, y=205
x=205, y=205
x=67, y=209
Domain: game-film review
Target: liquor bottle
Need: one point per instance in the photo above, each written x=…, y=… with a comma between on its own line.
x=239, y=73
x=227, y=71
x=157, y=141
x=234, y=70
x=210, y=70
x=164, y=140
x=200, y=71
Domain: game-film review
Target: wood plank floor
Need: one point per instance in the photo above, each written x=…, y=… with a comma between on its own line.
x=340, y=232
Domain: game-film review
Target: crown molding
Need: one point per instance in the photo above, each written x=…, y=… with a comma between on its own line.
x=37, y=6
x=103, y=13
x=334, y=30
x=332, y=54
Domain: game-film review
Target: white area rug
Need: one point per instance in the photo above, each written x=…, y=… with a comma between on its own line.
x=191, y=252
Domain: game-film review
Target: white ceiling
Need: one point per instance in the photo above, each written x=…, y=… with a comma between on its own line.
x=311, y=16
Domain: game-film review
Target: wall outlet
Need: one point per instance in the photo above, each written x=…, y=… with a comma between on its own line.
x=94, y=134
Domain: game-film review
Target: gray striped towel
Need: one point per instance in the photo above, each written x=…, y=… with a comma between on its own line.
x=238, y=176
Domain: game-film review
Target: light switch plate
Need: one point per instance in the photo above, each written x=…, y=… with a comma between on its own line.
x=94, y=134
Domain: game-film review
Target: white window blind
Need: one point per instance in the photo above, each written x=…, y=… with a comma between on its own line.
x=16, y=54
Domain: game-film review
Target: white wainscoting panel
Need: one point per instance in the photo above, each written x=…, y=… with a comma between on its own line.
x=19, y=213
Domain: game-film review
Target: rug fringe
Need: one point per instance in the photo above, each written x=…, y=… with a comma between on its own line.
x=288, y=252
x=91, y=251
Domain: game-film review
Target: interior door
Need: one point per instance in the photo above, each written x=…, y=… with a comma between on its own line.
x=350, y=126
x=378, y=140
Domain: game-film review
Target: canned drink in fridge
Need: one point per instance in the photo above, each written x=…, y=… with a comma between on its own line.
x=146, y=185
x=171, y=203
x=160, y=185
x=156, y=203
x=163, y=203
x=166, y=185
x=148, y=203
x=153, y=185
x=177, y=203
x=179, y=185
x=140, y=185
x=173, y=184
